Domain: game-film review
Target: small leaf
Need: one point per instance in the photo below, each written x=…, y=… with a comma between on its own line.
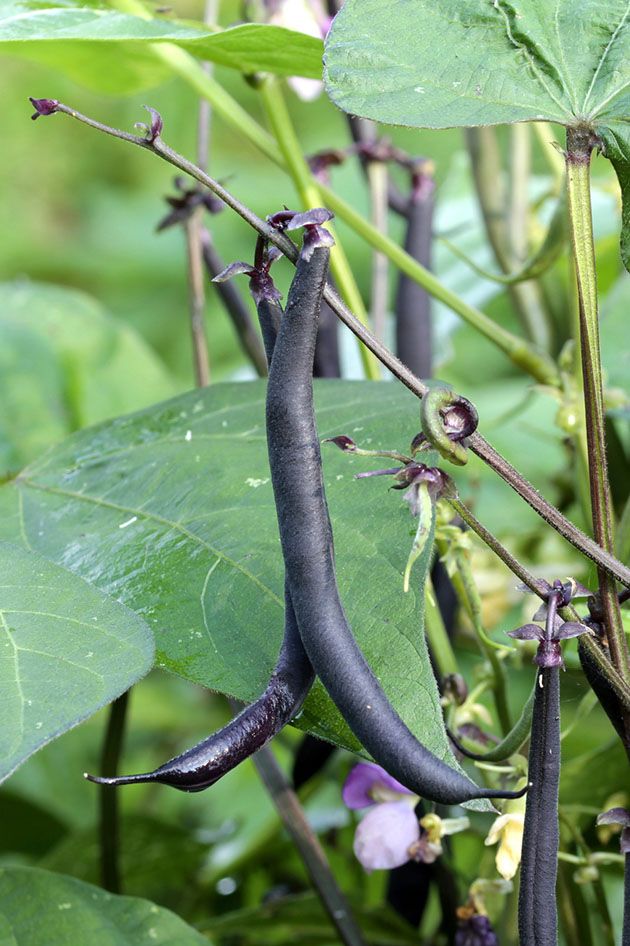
x=67, y=650
x=42, y=909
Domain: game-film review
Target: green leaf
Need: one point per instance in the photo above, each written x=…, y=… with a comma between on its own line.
x=43, y=909
x=470, y=62
x=67, y=650
x=171, y=510
x=65, y=363
x=111, y=51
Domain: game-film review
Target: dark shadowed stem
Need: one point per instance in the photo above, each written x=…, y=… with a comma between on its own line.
x=197, y=299
x=193, y=229
x=413, y=303
x=310, y=850
x=306, y=842
x=364, y=131
x=493, y=200
x=235, y=307
x=579, y=149
x=378, y=178
x=625, y=937
x=573, y=912
x=476, y=442
x=473, y=608
x=109, y=827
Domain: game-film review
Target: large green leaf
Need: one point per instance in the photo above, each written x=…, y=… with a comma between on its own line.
x=472, y=62
x=66, y=650
x=65, y=363
x=38, y=908
x=171, y=510
x=110, y=51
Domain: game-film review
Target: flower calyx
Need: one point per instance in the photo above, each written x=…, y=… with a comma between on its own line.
x=315, y=234
x=621, y=818
x=186, y=201
x=261, y=284
x=153, y=129
x=549, y=653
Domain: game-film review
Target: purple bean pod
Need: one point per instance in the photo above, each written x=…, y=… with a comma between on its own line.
x=307, y=545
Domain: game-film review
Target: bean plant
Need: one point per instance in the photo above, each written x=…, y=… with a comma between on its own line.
x=320, y=545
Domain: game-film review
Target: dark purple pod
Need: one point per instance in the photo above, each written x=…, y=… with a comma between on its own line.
x=537, y=911
x=205, y=763
x=307, y=545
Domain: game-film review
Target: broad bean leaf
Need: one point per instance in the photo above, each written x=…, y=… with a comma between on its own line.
x=111, y=51
x=39, y=908
x=66, y=651
x=474, y=62
x=65, y=363
x=171, y=511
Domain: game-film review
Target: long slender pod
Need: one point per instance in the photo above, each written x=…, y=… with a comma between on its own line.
x=537, y=912
x=413, y=303
x=307, y=545
x=207, y=762
x=327, y=364
x=290, y=682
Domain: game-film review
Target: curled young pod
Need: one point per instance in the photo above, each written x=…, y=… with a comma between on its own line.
x=447, y=419
x=537, y=912
x=307, y=545
x=205, y=763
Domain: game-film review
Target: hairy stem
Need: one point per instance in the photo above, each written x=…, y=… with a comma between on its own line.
x=476, y=442
x=579, y=148
x=109, y=833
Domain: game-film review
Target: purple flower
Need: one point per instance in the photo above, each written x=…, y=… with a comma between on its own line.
x=476, y=930
x=549, y=653
x=390, y=834
x=621, y=817
x=186, y=201
x=43, y=107
x=385, y=835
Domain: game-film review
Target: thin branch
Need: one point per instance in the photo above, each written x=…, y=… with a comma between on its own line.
x=109, y=834
x=476, y=442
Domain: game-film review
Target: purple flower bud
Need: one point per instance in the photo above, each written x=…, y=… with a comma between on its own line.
x=281, y=218
x=43, y=107
x=344, y=443
x=261, y=284
x=385, y=835
x=316, y=235
x=321, y=162
x=310, y=218
x=154, y=129
x=365, y=782
x=476, y=931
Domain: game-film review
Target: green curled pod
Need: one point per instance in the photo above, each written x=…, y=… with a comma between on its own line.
x=446, y=419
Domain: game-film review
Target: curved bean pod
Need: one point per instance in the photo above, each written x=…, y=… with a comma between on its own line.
x=307, y=545
x=205, y=763
x=537, y=912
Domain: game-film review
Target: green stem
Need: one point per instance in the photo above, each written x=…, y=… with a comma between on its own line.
x=579, y=149
x=108, y=796
x=436, y=633
x=493, y=200
x=517, y=736
x=487, y=646
x=280, y=122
